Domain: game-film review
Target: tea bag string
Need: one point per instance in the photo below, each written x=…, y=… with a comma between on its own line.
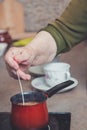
x=20, y=84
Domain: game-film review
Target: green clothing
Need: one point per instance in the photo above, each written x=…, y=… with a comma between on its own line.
x=71, y=28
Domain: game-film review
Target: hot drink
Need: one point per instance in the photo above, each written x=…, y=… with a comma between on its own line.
x=28, y=103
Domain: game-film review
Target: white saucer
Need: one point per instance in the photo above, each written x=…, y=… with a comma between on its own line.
x=40, y=84
x=37, y=70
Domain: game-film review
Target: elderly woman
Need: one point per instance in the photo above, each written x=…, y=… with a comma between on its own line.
x=57, y=37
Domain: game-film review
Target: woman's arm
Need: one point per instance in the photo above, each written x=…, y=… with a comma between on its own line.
x=71, y=28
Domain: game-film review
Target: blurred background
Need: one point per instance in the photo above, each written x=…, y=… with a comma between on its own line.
x=36, y=13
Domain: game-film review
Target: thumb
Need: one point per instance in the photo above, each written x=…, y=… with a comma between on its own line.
x=22, y=56
x=25, y=57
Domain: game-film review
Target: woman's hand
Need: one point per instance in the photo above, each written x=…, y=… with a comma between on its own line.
x=18, y=65
x=41, y=50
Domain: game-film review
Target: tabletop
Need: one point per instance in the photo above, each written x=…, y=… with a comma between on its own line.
x=73, y=101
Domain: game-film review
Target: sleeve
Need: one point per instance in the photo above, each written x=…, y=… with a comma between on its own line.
x=71, y=27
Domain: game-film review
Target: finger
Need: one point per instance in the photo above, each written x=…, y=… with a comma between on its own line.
x=23, y=75
x=23, y=55
x=11, y=62
x=11, y=71
x=26, y=56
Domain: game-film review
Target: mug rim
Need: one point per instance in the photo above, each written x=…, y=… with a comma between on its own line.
x=29, y=97
x=50, y=65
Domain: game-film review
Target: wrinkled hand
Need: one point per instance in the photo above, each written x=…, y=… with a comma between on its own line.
x=19, y=65
x=41, y=50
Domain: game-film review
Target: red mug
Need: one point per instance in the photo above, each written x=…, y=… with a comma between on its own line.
x=5, y=36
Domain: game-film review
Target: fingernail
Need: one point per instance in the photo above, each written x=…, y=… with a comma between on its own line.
x=28, y=77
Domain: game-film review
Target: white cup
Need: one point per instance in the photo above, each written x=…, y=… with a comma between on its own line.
x=56, y=73
x=3, y=47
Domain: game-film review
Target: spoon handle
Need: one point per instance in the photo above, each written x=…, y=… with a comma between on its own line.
x=21, y=87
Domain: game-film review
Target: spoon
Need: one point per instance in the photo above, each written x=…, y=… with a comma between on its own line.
x=21, y=87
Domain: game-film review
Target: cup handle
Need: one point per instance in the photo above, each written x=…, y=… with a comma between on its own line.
x=67, y=75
